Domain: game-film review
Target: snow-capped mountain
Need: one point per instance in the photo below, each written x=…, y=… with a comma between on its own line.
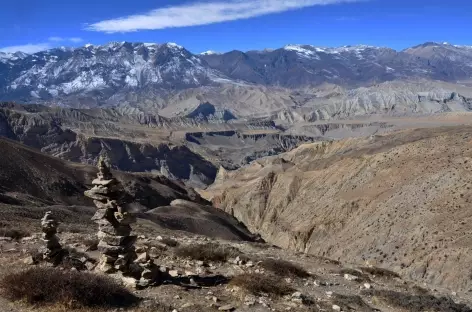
x=143, y=72
x=296, y=65
x=102, y=72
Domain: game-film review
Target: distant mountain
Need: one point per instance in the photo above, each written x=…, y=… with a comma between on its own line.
x=153, y=75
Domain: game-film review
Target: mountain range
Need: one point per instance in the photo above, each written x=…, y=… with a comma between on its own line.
x=169, y=78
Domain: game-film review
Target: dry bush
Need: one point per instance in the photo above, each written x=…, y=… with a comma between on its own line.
x=68, y=288
x=380, y=272
x=15, y=234
x=411, y=302
x=284, y=268
x=259, y=284
x=169, y=242
x=207, y=252
x=351, y=303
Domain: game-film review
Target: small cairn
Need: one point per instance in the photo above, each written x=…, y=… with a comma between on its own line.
x=53, y=251
x=116, y=245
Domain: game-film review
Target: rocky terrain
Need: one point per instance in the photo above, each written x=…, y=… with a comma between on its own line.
x=398, y=200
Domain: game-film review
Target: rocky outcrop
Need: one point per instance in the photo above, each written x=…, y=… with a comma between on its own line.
x=399, y=200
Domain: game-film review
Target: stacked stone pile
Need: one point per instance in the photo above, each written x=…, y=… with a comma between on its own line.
x=115, y=242
x=116, y=245
x=53, y=251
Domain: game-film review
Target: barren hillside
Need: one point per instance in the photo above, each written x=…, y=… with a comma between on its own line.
x=399, y=200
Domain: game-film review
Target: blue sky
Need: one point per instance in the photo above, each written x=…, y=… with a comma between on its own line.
x=31, y=25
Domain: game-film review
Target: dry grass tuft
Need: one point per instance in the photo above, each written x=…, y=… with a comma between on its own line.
x=208, y=252
x=380, y=272
x=169, y=242
x=49, y=286
x=284, y=268
x=410, y=302
x=15, y=234
x=260, y=284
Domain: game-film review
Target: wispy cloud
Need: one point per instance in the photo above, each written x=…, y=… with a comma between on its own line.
x=26, y=48
x=204, y=13
x=347, y=19
x=37, y=47
x=61, y=39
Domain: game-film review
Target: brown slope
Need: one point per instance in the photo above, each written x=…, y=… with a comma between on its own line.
x=32, y=182
x=402, y=201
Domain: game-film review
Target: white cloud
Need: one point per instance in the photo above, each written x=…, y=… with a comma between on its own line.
x=203, y=13
x=26, y=48
x=59, y=39
x=76, y=39
x=56, y=39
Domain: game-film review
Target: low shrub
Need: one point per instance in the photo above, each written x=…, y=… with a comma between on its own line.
x=207, y=252
x=67, y=288
x=15, y=234
x=260, y=284
x=412, y=302
x=379, y=272
x=169, y=242
x=284, y=268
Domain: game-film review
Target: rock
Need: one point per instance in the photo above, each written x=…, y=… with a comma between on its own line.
x=215, y=299
x=336, y=307
x=297, y=294
x=367, y=286
x=129, y=281
x=174, y=273
x=187, y=305
x=227, y=307
x=142, y=258
x=249, y=264
x=29, y=260
x=350, y=277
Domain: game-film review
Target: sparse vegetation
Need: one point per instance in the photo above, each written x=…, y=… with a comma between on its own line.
x=259, y=284
x=379, y=272
x=15, y=234
x=411, y=302
x=49, y=286
x=208, y=252
x=169, y=242
x=284, y=268
x=351, y=303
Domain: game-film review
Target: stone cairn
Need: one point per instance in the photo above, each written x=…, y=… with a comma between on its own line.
x=116, y=245
x=53, y=251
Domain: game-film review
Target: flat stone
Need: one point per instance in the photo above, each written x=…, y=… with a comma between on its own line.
x=102, y=214
x=112, y=239
x=91, y=194
x=119, y=230
x=143, y=257
x=104, y=182
x=108, y=204
x=106, y=268
x=129, y=281
x=227, y=307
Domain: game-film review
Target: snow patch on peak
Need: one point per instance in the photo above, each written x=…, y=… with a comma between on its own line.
x=210, y=52
x=174, y=45
x=88, y=45
x=302, y=50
